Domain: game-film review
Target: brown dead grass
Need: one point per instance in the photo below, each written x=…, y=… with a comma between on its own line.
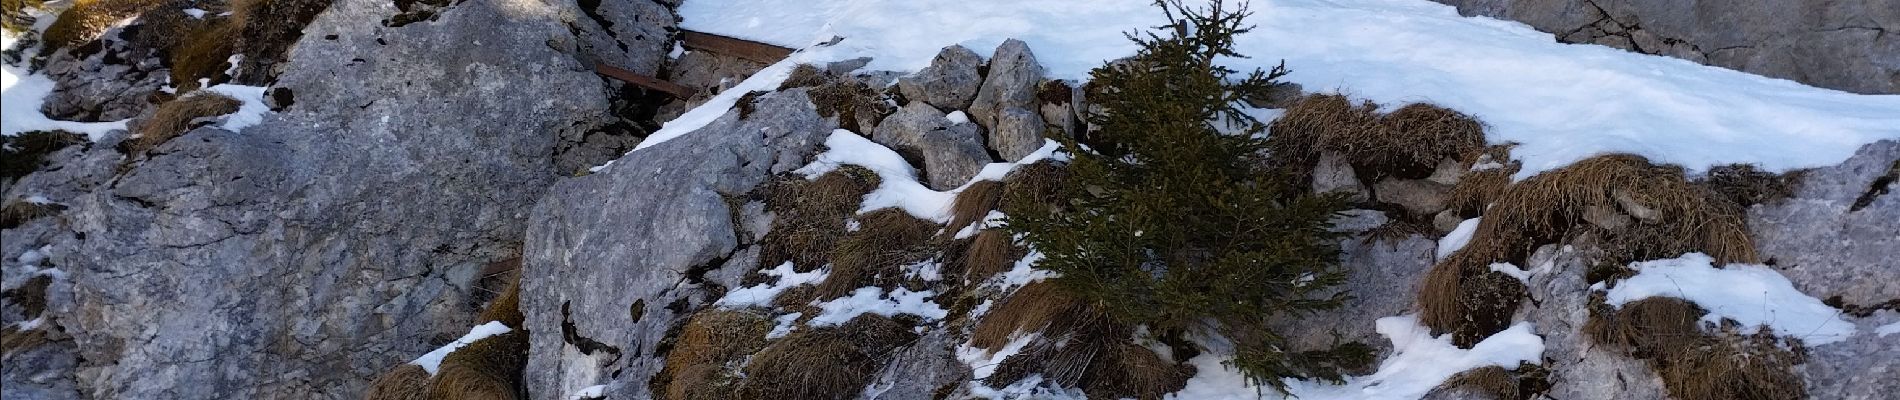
x=505, y=308
x=1477, y=189
x=86, y=20
x=704, y=360
x=1650, y=328
x=1040, y=184
x=1745, y=185
x=1696, y=364
x=809, y=216
x=988, y=254
x=174, y=118
x=205, y=52
x=886, y=239
x=1407, y=143
x=824, y=363
x=30, y=296
x=972, y=204
x=405, y=382
x=487, y=369
x=1495, y=381
x=20, y=212
x=1462, y=296
x=1087, y=350
x=1034, y=307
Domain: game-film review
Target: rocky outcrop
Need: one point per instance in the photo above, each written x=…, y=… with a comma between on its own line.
x=1843, y=254
x=1011, y=83
x=950, y=152
x=950, y=82
x=342, y=235
x=675, y=244
x=1843, y=44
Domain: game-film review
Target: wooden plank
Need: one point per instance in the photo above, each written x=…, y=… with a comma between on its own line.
x=746, y=49
x=644, y=81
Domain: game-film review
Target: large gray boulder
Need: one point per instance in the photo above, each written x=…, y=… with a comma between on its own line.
x=342, y=236
x=1011, y=83
x=614, y=259
x=1383, y=281
x=1833, y=251
x=950, y=82
x=1018, y=133
x=1839, y=44
x=951, y=152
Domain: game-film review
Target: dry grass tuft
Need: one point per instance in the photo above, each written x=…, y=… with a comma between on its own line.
x=1671, y=216
x=405, y=382
x=809, y=216
x=30, y=296
x=1407, y=143
x=973, y=203
x=25, y=153
x=988, y=254
x=487, y=369
x=1732, y=367
x=20, y=212
x=1086, y=350
x=854, y=103
x=204, y=52
x=505, y=308
x=1034, y=307
x=175, y=117
x=86, y=20
x=804, y=75
x=885, y=240
x=704, y=360
x=1650, y=328
x=270, y=28
x=1041, y=183
x=14, y=340
x=824, y=363
x=1477, y=189
x=1495, y=381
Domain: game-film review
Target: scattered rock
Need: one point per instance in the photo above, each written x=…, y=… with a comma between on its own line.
x=1448, y=172
x=1634, y=207
x=1418, y=196
x=1334, y=174
x=1358, y=220
x=1018, y=133
x=1011, y=82
x=1605, y=217
x=1446, y=221
x=950, y=82
x=950, y=152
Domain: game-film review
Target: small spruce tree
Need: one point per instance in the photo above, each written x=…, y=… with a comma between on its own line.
x=1177, y=226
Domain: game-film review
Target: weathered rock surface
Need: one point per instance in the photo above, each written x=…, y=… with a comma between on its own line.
x=950, y=82
x=111, y=84
x=920, y=370
x=1579, y=368
x=1418, y=196
x=1832, y=251
x=1018, y=133
x=950, y=152
x=1334, y=174
x=1840, y=44
x=615, y=258
x=1011, y=83
x=1384, y=281
x=303, y=256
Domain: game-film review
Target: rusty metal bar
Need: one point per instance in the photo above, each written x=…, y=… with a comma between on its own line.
x=644, y=81
x=746, y=49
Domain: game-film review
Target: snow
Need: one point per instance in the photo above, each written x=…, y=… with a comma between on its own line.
x=1753, y=295
x=30, y=324
x=432, y=361
x=899, y=186
x=1024, y=272
x=983, y=363
x=1513, y=271
x=761, y=295
x=872, y=300
x=928, y=271
x=957, y=117
x=251, y=112
x=1458, y=238
x=195, y=13
x=993, y=219
x=21, y=96
x=1887, y=329
x=1419, y=363
x=785, y=325
x=1561, y=102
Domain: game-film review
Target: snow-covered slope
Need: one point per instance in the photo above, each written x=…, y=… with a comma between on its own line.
x=1562, y=102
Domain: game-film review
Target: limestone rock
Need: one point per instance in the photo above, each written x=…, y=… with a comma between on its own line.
x=1842, y=44
x=308, y=253
x=1580, y=369
x=1011, y=82
x=666, y=206
x=1418, y=196
x=1018, y=133
x=950, y=152
x=950, y=82
x=1334, y=174
x=1391, y=269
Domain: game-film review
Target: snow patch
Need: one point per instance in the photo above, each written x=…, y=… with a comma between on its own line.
x=250, y=112
x=1458, y=238
x=1887, y=329
x=761, y=295
x=1753, y=295
x=590, y=392
x=1418, y=364
x=872, y=300
x=21, y=96
x=898, y=185
x=433, y=361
